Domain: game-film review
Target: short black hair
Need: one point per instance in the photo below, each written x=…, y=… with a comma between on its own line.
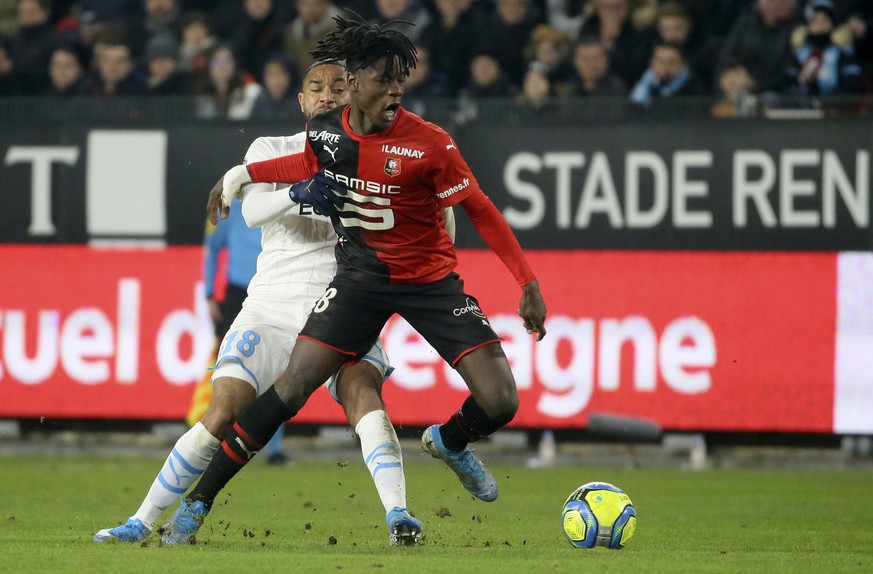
x=318, y=63
x=360, y=45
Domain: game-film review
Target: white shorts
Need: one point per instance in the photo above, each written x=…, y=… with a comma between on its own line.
x=258, y=344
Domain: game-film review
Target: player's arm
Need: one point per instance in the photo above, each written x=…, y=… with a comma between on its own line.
x=260, y=205
x=499, y=236
x=313, y=186
x=449, y=222
x=455, y=184
x=285, y=169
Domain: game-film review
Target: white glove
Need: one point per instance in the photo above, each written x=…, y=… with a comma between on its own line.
x=234, y=179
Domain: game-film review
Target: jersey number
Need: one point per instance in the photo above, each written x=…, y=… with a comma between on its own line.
x=246, y=344
x=324, y=302
x=378, y=219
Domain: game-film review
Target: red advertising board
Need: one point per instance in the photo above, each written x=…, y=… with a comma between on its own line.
x=97, y=333
x=704, y=341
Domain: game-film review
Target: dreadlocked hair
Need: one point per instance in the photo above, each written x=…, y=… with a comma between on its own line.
x=361, y=45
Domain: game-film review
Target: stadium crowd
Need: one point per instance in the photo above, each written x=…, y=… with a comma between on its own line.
x=245, y=58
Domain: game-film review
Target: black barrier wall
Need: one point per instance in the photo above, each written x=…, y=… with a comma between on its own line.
x=662, y=185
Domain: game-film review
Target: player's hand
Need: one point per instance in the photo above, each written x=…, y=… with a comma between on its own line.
x=214, y=205
x=324, y=194
x=234, y=179
x=532, y=308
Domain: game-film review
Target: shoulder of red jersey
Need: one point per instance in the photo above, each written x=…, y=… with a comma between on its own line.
x=433, y=133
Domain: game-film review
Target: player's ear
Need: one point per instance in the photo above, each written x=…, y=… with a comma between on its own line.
x=352, y=81
x=300, y=101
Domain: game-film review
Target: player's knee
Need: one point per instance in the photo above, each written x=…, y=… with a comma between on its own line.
x=359, y=395
x=506, y=408
x=295, y=386
x=501, y=405
x=218, y=419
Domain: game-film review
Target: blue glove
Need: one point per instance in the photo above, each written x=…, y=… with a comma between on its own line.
x=319, y=191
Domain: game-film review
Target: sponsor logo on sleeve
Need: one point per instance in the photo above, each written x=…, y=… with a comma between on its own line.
x=323, y=136
x=454, y=189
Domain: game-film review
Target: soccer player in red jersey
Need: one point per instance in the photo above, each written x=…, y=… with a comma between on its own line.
x=384, y=174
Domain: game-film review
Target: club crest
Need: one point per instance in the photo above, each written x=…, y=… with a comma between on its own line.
x=392, y=166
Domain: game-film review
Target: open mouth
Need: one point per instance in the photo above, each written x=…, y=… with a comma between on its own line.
x=391, y=110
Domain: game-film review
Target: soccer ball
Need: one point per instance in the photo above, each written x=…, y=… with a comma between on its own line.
x=599, y=514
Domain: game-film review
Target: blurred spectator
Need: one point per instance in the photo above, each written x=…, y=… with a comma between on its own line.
x=258, y=34
x=761, y=39
x=548, y=50
x=860, y=22
x=424, y=84
x=32, y=48
x=67, y=71
x=451, y=38
x=566, y=16
x=487, y=79
x=278, y=99
x=737, y=89
x=593, y=78
x=114, y=73
x=408, y=10
x=161, y=18
x=8, y=79
x=610, y=21
x=668, y=76
x=674, y=22
x=95, y=15
x=314, y=20
x=824, y=61
x=505, y=35
x=225, y=16
x=165, y=77
x=225, y=90
x=536, y=96
x=198, y=42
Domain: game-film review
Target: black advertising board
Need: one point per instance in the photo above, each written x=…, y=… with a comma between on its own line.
x=680, y=185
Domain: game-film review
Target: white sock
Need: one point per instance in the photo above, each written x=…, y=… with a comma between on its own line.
x=186, y=463
x=383, y=458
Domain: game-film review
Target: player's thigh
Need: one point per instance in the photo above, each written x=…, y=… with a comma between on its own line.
x=347, y=320
x=448, y=318
x=359, y=386
x=258, y=345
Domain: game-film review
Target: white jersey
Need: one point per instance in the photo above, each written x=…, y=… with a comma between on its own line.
x=297, y=255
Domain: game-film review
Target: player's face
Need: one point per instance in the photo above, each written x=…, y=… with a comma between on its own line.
x=376, y=96
x=324, y=88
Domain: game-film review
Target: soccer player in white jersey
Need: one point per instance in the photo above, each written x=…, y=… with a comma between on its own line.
x=294, y=268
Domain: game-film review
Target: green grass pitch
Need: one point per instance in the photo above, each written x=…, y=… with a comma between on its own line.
x=326, y=517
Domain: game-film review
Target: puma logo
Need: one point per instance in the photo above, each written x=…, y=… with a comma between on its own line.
x=450, y=146
x=249, y=453
x=332, y=152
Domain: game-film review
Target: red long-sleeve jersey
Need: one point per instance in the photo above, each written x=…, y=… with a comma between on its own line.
x=390, y=227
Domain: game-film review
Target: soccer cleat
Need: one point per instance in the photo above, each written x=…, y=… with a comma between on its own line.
x=184, y=524
x=131, y=531
x=471, y=472
x=403, y=528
